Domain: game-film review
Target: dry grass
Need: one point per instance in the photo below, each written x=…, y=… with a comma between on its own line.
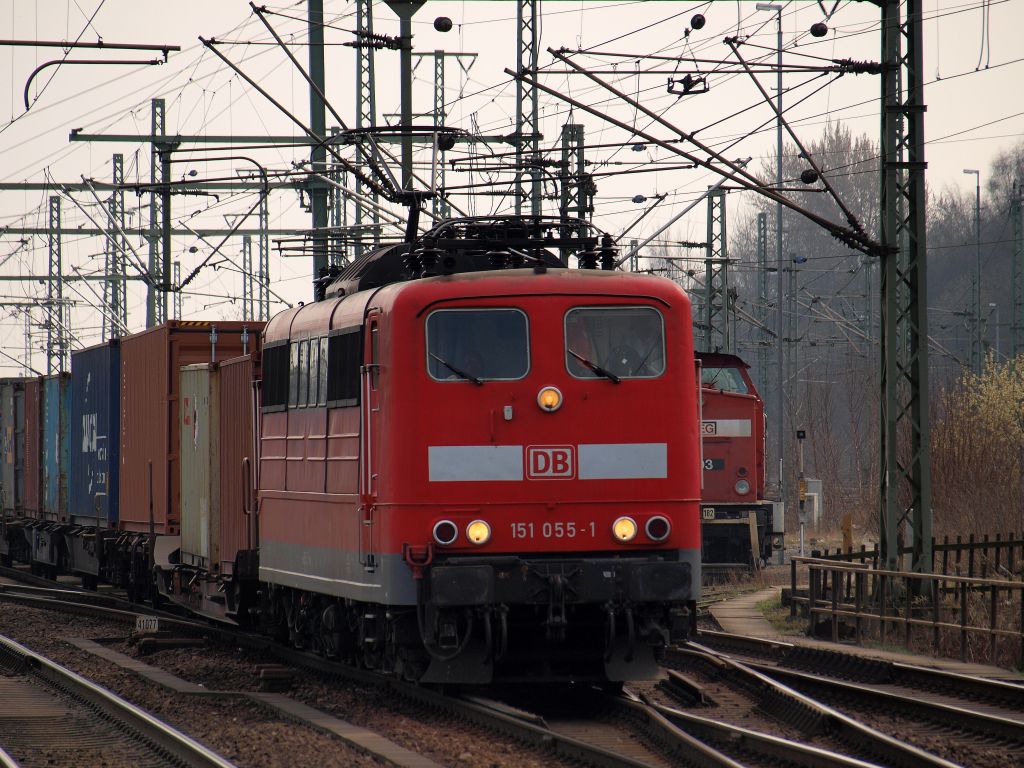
x=978, y=451
x=778, y=616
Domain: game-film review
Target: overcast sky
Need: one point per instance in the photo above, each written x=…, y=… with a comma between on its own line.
x=972, y=113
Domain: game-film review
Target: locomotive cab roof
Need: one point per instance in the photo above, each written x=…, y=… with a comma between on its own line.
x=720, y=360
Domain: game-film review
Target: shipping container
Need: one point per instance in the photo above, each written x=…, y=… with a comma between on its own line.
x=33, y=447
x=150, y=480
x=237, y=460
x=95, y=434
x=199, y=427
x=12, y=446
x=56, y=464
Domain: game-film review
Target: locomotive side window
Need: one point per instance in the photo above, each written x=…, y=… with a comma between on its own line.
x=626, y=342
x=344, y=358
x=303, y=364
x=276, y=371
x=314, y=372
x=725, y=379
x=477, y=345
x=322, y=379
x=293, y=376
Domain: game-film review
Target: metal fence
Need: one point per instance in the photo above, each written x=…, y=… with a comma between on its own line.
x=982, y=619
x=982, y=557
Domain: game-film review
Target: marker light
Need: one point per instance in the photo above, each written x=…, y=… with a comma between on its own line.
x=742, y=487
x=445, y=532
x=478, y=532
x=624, y=529
x=549, y=399
x=658, y=528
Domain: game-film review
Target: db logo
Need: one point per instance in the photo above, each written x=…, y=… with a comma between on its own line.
x=550, y=462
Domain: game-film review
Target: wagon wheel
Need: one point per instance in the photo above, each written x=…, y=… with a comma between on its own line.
x=329, y=632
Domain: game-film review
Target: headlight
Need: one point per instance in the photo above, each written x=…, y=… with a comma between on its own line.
x=445, y=532
x=742, y=487
x=549, y=399
x=658, y=528
x=478, y=532
x=624, y=529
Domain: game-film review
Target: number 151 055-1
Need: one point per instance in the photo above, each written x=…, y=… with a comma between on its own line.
x=549, y=530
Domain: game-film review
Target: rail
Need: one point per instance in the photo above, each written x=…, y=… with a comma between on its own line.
x=869, y=604
x=163, y=737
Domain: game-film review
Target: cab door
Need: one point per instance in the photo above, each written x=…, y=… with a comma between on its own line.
x=370, y=416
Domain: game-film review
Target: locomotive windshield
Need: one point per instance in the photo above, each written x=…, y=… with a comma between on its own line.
x=627, y=342
x=725, y=379
x=477, y=345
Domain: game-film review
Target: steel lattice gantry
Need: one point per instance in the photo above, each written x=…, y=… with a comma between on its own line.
x=56, y=310
x=247, y=278
x=574, y=197
x=366, y=117
x=156, y=297
x=440, y=202
x=717, y=333
x=527, y=111
x=263, y=270
x=178, y=296
x=905, y=492
x=315, y=183
x=339, y=253
x=764, y=337
x=115, y=314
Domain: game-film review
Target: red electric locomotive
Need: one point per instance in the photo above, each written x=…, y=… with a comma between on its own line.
x=476, y=463
x=739, y=528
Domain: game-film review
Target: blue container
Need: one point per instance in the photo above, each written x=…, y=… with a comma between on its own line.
x=56, y=445
x=95, y=434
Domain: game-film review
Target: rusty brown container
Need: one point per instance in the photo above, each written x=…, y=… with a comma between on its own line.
x=150, y=481
x=33, y=446
x=237, y=458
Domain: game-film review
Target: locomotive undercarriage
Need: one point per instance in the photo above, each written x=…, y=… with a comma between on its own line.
x=502, y=618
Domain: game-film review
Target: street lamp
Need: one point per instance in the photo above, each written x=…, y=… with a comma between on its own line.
x=779, y=413
x=976, y=342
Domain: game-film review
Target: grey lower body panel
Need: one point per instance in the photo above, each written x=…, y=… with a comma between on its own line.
x=387, y=579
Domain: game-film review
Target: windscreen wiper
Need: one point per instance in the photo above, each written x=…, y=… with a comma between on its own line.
x=457, y=371
x=594, y=366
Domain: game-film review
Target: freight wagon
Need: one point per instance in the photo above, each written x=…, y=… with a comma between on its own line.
x=214, y=559
x=13, y=466
x=100, y=470
x=95, y=456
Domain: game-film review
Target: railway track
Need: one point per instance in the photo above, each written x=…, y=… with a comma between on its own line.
x=52, y=716
x=760, y=715
x=855, y=668
x=747, y=694
x=964, y=718
x=613, y=731
x=485, y=714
